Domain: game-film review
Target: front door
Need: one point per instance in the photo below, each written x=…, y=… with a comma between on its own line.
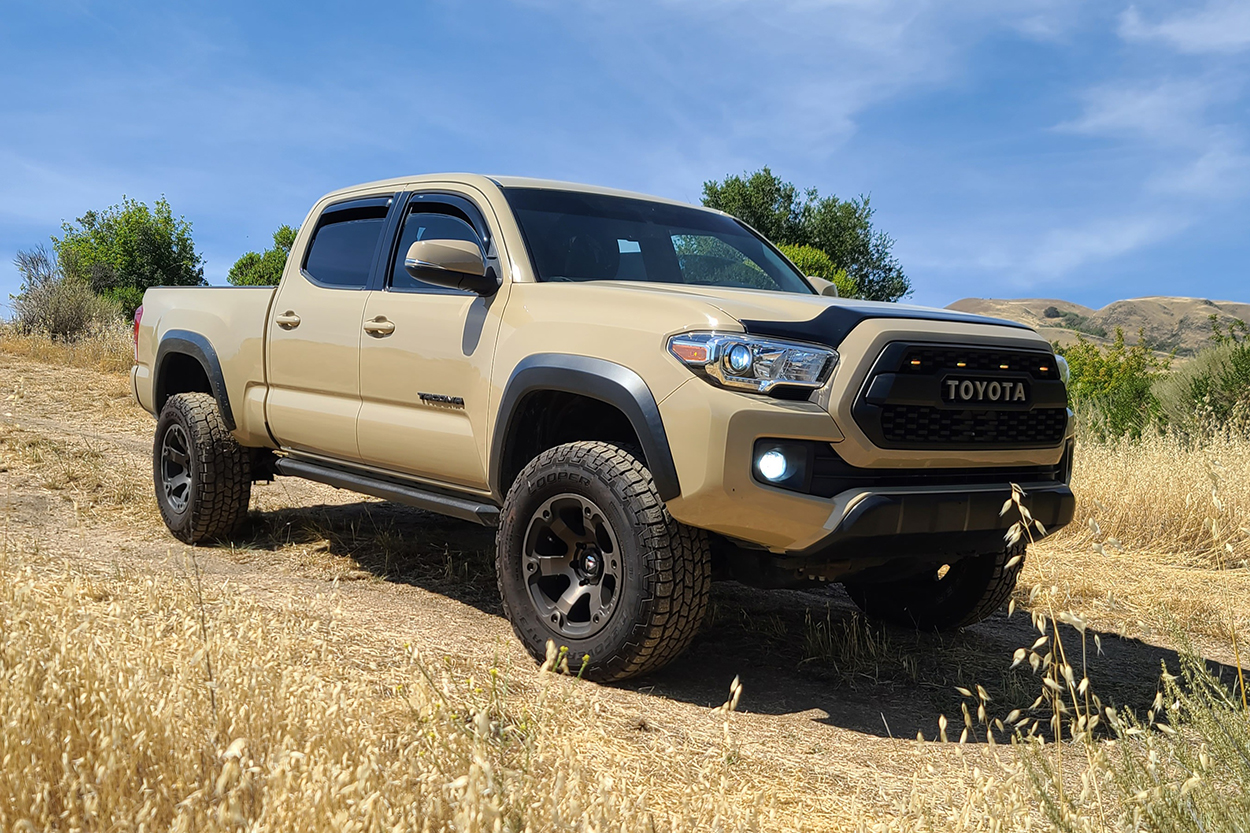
x=425, y=357
x=314, y=332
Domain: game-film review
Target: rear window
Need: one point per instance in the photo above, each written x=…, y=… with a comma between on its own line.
x=343, y=245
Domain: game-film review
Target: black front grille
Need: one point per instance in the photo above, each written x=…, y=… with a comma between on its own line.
x=832, y=475
x=926, y=360
x=936, y=426
x=902, y=406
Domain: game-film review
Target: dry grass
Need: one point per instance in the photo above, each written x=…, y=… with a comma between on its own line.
x=1162, y=495
x=80, y=470
x=1182, y=764
x=155, y=702
x=109, y=348
x=172, y=704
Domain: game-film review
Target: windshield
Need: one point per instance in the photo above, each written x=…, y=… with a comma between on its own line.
x=575, y=236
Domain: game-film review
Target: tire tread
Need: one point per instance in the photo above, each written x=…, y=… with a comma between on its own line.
x=223, y=490
x=678, y=559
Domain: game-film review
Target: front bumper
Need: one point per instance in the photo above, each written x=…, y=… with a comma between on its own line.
x=890, y=534
x=936, y=523
x=857, y=514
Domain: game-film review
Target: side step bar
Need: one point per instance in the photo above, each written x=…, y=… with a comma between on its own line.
x=465, y=508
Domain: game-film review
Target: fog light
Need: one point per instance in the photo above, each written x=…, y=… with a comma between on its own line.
x=773, y=465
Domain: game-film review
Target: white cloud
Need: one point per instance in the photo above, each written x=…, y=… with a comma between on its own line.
x=1042, y=248
x=1063, y=250
x=793, y=76
x=1169, y=112
x=1220, y=27
x=1185, y=151
x=32, y=192
x=1222, y=172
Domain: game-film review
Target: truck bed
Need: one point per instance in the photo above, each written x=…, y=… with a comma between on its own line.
x=230, y=322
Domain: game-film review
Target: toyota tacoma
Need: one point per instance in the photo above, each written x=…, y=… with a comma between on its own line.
x=638, y=393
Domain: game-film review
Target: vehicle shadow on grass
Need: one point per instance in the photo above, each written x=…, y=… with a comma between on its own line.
x=796, y=652
x=388, y=540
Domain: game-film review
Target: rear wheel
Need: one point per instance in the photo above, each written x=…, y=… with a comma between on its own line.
x=202, y=476
x=960, y=594
x=589, y=558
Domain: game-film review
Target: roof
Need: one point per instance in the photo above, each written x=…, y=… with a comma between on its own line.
x=480, y=180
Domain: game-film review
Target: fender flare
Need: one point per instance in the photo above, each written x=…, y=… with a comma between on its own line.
x=599, y=379
x=187, y=343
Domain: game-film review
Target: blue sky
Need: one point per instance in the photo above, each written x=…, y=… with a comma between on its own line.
x=1075, y=149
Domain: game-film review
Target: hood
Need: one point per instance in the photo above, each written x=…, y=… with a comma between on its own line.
x=815, y=318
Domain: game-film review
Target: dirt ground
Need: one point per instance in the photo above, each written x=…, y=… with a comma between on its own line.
x=827, y=700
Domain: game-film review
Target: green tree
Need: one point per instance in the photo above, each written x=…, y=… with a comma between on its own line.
x=1110, y=387
x=124, y=249
x=842, y=229
x=773, y=208
x=264, y=268
x=812, y=261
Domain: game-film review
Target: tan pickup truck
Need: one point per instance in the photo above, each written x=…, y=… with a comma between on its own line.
x=640, y=394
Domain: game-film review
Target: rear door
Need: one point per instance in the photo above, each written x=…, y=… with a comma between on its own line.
x=425, y=356
x=314, y=331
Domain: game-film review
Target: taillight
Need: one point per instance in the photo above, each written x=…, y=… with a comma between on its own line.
x=138, y=318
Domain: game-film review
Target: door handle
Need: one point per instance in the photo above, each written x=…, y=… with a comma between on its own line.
x=287, y=320
x=379, y=327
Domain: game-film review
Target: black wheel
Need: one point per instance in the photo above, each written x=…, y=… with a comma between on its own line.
x=960, y=594
x=589, y=557
x=202, y=476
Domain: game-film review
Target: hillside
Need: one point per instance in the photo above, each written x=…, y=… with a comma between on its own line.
x=1180, y=324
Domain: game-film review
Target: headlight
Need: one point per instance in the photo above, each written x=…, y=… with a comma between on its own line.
x=1065, y=372
x=741, y=362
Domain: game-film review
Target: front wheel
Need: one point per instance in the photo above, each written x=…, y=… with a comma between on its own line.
x=589, y=557
x=202, y=476
x=959, y=594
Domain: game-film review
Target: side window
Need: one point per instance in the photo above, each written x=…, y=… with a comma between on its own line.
x=427, y=225
x=341, y=251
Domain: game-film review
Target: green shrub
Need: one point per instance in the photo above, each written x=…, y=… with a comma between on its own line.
x=1212, y=391
x=812, y=261
x=264, y=268
x=55, y=304
x=1111, y=387
x=1074, y=321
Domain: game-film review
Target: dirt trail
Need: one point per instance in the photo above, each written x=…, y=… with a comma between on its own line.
x=826, y=700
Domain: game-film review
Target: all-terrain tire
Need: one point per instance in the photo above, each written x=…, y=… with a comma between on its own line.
x=663, y=570
x=192, y=440
x=972, y=589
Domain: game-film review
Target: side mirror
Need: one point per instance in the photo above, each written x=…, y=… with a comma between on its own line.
x=824, y=287
x=456, y=264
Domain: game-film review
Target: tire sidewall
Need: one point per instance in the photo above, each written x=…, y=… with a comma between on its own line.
x=633, y=608
x=181, y=524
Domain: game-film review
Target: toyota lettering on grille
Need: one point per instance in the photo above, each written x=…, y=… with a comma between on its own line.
x=984, y=390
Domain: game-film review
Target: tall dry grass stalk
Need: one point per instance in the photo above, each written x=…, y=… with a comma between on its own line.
x=1076, y=764
x=112, y=720
x=1163, y=495
x=107, y=347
